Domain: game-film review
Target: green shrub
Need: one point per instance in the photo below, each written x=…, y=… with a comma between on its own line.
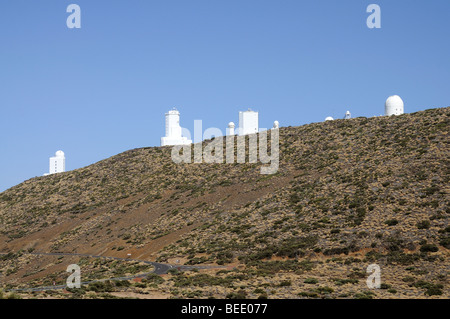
x=285, y=283
x=391, y=222
x=402, y=258
x=324, y=290
x=308, y=294
x=273, y=267
x=225, y=257
x=201, y=280
x=100, y=286
x=424, y=224
x=364, y=295
x=241, y=294
x=11, y=295
x=392, y=291
x=155, y=279
x=429, y=248
x=408, y=279
x=431, y=289
x=445, y=241
x=174, y=271
x=431, y=190
x=122, y=283
x=311, y=281
x=385, y=286
x=435, y=290
x=340, y=282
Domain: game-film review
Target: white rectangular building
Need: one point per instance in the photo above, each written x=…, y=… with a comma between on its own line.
x=248, y=122
x=58, y=163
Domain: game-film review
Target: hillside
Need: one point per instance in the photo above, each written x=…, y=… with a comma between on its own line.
x=348, y=193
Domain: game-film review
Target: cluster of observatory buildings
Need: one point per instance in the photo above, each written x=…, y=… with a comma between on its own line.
x=248, y=124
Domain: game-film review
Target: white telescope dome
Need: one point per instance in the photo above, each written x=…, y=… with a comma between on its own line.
x=394, y=106
x=329, y=118
x=231, y=124
x=276, y=124
x=59, y=154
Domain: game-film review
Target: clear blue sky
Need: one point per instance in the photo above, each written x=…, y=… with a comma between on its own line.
x=100, y=90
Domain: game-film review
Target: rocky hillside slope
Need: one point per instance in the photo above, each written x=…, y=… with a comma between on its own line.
x=376, y=188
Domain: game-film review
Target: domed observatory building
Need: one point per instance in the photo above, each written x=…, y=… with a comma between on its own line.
x=58, y=163
x=173, y=130
x=394, y=106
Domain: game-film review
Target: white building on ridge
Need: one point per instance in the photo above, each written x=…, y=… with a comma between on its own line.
x=347, y=115
x=58, y=163
x=248, y=122
x=394, y=106
x=173, y=130
x=230, y=129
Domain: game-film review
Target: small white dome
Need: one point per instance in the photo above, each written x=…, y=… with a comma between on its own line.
x=329, y=118
x=231, y=124
x=394, y=105
x=59, y=154
x=276, y=124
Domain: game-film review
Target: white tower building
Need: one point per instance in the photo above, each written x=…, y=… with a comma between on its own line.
x=394, y=106
x=173, y=130
x=276, y=125
x=248, y=122
x=347, y=115
x=57, y=163
x=230, y=130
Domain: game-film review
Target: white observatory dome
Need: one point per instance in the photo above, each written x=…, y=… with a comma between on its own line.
x=59, y=154
x=231, y=124
x=394, y=106
x=329, y=118
x=276, y=124
x=174, y=111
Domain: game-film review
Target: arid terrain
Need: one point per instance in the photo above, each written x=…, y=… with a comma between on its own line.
x=348, y=193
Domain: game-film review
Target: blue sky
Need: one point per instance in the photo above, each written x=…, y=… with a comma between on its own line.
x=100, y=90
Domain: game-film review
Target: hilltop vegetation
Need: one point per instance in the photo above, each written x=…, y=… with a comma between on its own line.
x=347, y=193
